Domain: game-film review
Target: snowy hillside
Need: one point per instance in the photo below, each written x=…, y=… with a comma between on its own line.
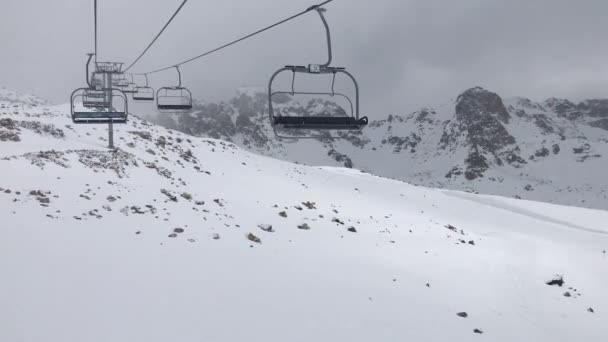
x=555, y=151
x=177, y=238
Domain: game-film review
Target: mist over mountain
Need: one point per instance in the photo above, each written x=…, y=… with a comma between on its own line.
x=553, y=151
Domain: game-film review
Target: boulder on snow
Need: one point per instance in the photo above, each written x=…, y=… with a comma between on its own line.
x=253, y=238
x=463, y=314
x=266, y=227
x=557, y=281
x=304, y=226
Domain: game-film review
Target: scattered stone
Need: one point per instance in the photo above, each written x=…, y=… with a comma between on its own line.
x=266, y=227
x=472, y=243
x=37, y=193
x=304, y=226
x=452, y=228
x=338, y=221
x=352, y=229
x=199, y=203
x=138, y=232
x=567, y=294
x=137, y=210
x=111, y=199
x=428, y=285
x=283, y=214
x=557, y=281
x=590, y=310
x=310, y=205
x=253, y=238
x=169, y=195
x=477, y=331
x=44, y=200
x=178, y=230
x=187, y=196
x=463, y=314
x=216, y=236
x=173, y=235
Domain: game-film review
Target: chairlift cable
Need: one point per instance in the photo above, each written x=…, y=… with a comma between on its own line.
x=157, y=36
x=95, y=14
x=251, y=35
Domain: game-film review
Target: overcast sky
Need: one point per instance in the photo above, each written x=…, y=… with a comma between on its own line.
x=405, y=53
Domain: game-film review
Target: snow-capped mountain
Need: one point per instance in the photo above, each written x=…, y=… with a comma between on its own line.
x=555, y=151
x=173, y=237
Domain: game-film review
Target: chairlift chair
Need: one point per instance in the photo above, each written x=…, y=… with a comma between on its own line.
x=145, y=93
x=131, y=86
x=171, y=99
x=353, y=122
x=120, y=81
x=100, y=114
x=96, y=98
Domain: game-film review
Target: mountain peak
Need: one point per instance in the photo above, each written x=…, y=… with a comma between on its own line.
x=479, y=100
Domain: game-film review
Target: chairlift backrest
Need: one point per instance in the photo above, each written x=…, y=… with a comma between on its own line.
x=116, y=112
x=144, y=93
x=178, y=98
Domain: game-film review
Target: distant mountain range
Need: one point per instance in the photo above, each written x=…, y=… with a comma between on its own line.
x=553, y=151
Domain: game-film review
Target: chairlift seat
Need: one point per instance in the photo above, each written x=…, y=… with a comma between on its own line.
x=99, y=117
x=320, y=123
x=173, y=99
x=174, y=107
x=143, y=94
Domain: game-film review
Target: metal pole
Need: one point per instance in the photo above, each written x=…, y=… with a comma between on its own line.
x=108, y=87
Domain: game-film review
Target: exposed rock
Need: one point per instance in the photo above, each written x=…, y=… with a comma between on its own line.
x=266, y=227
x=252, y=237
x=304, y=226
x=557, y=281
x=169, y=195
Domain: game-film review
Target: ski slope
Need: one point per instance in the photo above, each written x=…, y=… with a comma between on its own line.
x=151, y=243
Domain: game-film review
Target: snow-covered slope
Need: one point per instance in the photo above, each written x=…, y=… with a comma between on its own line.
x=554, y=151
x=169, y=238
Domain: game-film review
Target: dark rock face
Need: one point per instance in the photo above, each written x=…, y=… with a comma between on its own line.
x=603, y=124
x=341, y=158
x=480, y=116
x=475, y=102
x=480, y=113
x=476, y=165
x=595, y=108
x=564, y=108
